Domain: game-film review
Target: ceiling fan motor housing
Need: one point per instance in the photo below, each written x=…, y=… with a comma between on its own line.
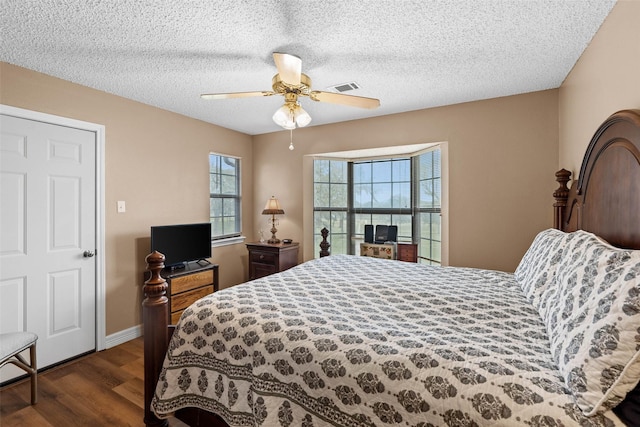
x=283, y=88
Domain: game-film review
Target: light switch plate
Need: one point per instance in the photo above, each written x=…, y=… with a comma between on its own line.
x=122, y=207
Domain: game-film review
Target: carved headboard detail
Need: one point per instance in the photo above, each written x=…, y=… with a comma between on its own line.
x=605, y=199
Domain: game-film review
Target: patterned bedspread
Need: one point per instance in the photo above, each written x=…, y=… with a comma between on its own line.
x=357, y=341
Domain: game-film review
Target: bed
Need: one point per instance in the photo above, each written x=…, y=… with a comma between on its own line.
x=356, y=341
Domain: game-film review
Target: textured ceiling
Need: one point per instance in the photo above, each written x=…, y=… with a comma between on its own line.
x=409, y=54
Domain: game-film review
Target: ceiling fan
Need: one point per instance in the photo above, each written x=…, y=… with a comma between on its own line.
x=292, y=83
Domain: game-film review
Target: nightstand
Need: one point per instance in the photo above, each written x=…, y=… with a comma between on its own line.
x=267, y=258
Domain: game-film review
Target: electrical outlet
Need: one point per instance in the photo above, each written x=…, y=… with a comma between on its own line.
x=122, y=208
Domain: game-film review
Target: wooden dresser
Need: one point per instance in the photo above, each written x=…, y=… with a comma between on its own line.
x=267, y=258
x=188, y=285
x=407, y=252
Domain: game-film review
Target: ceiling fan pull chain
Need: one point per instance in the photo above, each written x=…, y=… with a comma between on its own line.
x=291, y=136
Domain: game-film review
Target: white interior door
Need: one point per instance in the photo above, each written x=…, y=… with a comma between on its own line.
x=48, y=237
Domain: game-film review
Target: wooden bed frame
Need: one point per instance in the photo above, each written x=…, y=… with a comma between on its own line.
x=604, y=200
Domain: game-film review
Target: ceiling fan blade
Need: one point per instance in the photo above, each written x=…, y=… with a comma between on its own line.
x=350, y=100
x=289, y=67
x=235, y=95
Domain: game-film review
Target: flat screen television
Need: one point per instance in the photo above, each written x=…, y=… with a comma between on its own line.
x=182, y=243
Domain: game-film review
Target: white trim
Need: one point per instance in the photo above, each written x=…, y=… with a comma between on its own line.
x=377, y=153
x=124, y=336
x=227, y=242
x=215, y=153
x=99, y=131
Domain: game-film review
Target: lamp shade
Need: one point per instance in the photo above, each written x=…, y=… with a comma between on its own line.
x=302, y=118
x=272, y=207
x=284, y=117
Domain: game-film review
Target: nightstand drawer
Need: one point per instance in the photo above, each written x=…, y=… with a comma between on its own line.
x=263, y=257
x=191, y=281
x=267, y=258
x=185, y=299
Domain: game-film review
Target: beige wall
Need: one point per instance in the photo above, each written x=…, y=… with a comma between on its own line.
x=502, y=159
x=502, y=156
x=156, y=161
x=604, y=80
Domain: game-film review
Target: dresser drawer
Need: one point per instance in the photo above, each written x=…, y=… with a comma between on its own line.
x=185, y=299
x=191, y=281
x=263, y=257
x=175, y=316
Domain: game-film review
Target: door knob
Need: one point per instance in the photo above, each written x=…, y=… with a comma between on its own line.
x=88, y=254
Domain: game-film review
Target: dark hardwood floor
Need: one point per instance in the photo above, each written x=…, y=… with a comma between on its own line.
x=101, y=389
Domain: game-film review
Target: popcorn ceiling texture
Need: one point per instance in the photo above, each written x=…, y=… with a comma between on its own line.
x=409, y=54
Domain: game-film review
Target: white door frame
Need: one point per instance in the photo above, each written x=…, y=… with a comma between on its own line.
x=99, y=131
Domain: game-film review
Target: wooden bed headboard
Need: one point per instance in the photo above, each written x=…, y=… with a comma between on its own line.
x=605, y=199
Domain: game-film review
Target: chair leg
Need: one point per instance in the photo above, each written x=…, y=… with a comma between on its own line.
x=34, y=374
x=12, y=345
x=30, y=368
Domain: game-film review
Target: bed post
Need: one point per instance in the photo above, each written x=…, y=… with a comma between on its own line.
x=561, y=195
x=155, y=319
x=324, y=245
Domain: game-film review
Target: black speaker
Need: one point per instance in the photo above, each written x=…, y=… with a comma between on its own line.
x=392, y=233
x=368, y=233
x=381, y=233
x=386, y=233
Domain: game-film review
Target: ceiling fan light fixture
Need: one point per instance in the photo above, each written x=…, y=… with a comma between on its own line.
x=289, y=126
x=291, y=115
x=284, y=117
x=302, y=118
x=292, y=83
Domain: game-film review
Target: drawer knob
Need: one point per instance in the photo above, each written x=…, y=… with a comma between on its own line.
x=261, y=256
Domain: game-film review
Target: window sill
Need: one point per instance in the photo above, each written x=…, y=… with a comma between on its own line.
x=227, y=242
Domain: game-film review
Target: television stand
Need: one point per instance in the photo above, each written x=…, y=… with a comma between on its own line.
x=188, y=284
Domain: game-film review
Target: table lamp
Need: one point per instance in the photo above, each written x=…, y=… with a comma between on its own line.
x=273, y=208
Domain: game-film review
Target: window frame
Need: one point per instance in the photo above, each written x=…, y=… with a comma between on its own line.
x=432, y=210
x=413, y=210
x=381, y=211
x=236, y=236
x=329, y=209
